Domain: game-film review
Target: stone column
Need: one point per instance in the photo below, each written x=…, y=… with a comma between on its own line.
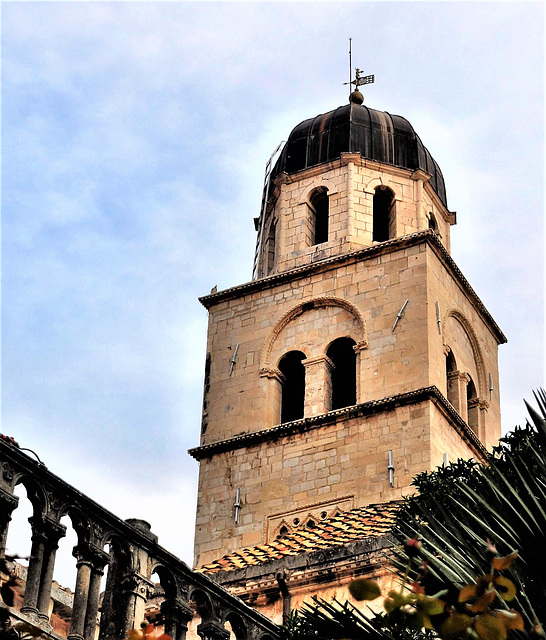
x=272, y=380
x=45, y=537
x=212, y=630
x=81, y=592
x=318, y=385
x=55, y=531
x=135, y=589
x=177, y=616
x=456, y=392
x=359, y=347
x=90, y=563
x=8, y=503
x=100, y=559
x=483, y=406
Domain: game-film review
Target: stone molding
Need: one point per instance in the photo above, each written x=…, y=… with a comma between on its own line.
x=328, y=184
x=285, y=430
x=389, y=246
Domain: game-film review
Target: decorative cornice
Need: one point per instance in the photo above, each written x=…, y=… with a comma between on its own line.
x=431, y=393
x=426, y=236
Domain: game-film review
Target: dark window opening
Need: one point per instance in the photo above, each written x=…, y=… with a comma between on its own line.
x=472, y=405
x=451, y=380
x=320, y=208
x=293, y=388
x=432, y=224
x=271, y=239
x=383, y=215
x=343, y=357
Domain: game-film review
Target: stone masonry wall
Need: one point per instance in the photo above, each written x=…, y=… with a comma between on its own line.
x=351, y=185
x=347, y=457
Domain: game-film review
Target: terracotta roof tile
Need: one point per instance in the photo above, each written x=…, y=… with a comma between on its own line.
x=372, y=521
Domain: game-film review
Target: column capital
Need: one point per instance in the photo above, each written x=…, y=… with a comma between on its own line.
x=272, y=372
x=361, y=345
x=322, y=359
x=177, y=609
x=8, y=501
x=91, y=555
x=46, y=529
x=212, y=630
x=136, y=584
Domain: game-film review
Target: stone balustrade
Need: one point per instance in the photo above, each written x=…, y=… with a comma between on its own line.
x=131, y=554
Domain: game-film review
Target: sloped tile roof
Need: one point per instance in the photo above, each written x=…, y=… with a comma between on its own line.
x=372, y=521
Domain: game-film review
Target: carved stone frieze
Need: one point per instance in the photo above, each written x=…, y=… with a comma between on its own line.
x=7, y=472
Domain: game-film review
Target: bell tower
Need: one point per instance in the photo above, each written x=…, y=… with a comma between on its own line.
x=358, y=356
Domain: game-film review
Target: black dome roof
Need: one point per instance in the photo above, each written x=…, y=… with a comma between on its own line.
x=376, y=135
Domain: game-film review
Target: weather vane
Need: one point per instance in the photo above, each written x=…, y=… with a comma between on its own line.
x=359, y=79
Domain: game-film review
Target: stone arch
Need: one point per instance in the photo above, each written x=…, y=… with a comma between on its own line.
x=35, y=493
x=238, y=625
x=267, y=367
x=372, y=185
x=474, y=343
x=80, y=523
x=202, y=604
x=166, y=580
x=327, y=184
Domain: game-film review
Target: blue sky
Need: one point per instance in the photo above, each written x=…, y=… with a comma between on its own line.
x=134, y=140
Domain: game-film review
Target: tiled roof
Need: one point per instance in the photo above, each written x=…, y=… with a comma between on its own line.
x=372, y=521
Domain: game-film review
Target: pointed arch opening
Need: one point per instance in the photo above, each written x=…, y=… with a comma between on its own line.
x=384, y=221
x=293, y=386
x=283, y=531
x=319, y=206
x=343, y=377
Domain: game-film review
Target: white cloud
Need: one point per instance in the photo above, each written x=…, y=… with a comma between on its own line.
x=135, y=137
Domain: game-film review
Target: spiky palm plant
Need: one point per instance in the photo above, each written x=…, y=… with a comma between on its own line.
x=462, y=515
x=502, y=503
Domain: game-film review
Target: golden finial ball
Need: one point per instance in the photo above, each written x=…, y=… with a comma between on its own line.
x=356, y=97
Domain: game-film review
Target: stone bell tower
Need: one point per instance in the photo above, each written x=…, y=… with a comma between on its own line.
x=358, y=356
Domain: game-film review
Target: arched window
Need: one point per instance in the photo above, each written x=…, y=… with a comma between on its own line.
x=293, y=388
x=451, y=380
x=320, y=211
x=343, y=357
x=432, y=224
x=383, y=215
x=472, y=405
